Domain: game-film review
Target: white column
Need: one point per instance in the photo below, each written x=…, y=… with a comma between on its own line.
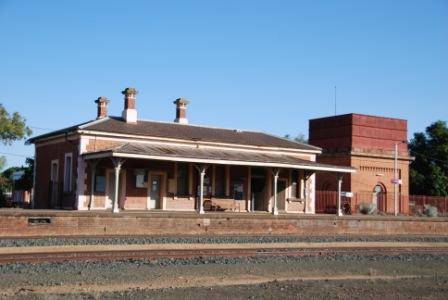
x=249, y=189
x=275, y=208
x=302, y=185
x=117, y=163
x=339, y=210
x=81, y=176
x=201, y=189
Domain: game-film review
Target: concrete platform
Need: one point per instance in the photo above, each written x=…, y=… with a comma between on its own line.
x=35, y=223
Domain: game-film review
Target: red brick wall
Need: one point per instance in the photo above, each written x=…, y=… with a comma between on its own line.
x=360, y=132
x=107, y=224
x=44, y=155
x=373, y=137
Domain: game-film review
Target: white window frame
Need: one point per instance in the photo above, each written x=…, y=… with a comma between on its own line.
x=68, y=177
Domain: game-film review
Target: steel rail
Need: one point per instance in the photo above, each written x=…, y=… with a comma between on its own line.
x=210, y=253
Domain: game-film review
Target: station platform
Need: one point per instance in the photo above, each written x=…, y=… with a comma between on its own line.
x=35, y=223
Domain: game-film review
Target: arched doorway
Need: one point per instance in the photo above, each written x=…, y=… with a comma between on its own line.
x=380, y=197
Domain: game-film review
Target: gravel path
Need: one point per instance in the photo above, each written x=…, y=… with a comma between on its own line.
x=391, y=276
x=421, y=288
x=61, y=241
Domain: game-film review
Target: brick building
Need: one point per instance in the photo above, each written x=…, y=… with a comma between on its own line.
x=366, y=143
x=124, y=163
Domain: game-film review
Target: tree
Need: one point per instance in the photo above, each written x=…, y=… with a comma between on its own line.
x=429, y=170
x=299, y=138
x=12, y=128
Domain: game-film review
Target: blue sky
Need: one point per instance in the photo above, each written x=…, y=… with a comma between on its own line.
x=260, y=65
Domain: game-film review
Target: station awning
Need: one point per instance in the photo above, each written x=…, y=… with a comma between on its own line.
x=208, y=155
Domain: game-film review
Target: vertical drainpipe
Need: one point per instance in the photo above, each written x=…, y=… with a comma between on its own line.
x=33, y=196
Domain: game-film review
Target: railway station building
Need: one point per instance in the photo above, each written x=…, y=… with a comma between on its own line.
x=125, y=163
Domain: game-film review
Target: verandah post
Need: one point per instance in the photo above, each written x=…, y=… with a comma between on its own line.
x=201, y=169
x=117, y=164
x=275, y=209
x=339, y=211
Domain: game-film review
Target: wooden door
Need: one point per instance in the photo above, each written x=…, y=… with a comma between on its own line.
x=155, y=192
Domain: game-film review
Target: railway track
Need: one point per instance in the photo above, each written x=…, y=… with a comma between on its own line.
x=115, y=255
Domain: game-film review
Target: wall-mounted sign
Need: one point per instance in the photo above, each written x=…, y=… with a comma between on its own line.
x=395, y=181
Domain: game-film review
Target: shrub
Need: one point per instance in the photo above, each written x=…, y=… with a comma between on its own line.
x=367, y=208
x=430, y=211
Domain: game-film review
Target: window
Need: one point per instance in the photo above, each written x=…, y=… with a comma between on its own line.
x=294, y=179
x=68, y=164
x=182, y=179
x=100, y=181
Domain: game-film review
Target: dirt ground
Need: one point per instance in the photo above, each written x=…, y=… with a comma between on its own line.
x=354, y=276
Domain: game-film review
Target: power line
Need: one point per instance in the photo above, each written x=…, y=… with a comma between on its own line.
x=41, y=128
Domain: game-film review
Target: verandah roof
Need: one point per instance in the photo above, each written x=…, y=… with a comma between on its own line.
x=213, y=156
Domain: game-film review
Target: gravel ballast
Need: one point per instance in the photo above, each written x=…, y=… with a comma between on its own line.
x=142, y=240
x=229, y=277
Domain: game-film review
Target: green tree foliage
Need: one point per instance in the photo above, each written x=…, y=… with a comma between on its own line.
x=12, y=127
x=429, y=170
x=298, y=138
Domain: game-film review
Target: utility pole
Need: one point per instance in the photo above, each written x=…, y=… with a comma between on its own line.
x=396, y=181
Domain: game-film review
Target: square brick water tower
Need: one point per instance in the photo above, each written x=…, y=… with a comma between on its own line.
x=366, y=143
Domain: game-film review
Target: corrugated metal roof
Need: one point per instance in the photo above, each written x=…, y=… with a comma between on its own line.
x=191, y=153
x=184, y=132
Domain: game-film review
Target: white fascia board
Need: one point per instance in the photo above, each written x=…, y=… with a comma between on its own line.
x=218, y=161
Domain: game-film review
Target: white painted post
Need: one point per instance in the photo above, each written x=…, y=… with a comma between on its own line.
x=396, y=180
x=275, y=209
x=249, y=189
x=201, y=190
x=339, y=210
x=117, y=163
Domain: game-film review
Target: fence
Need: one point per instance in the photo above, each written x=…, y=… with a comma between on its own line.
x=418, y=202
x=326, y=203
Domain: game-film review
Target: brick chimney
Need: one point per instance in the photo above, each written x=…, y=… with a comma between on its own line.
x=129, y=112
x=181, y=110
x=102, y=103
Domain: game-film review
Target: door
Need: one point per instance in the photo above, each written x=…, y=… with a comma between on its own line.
x=155, y=191
x=380, y=195
x=54, y=184
x=281, y=188
x=258, y=193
